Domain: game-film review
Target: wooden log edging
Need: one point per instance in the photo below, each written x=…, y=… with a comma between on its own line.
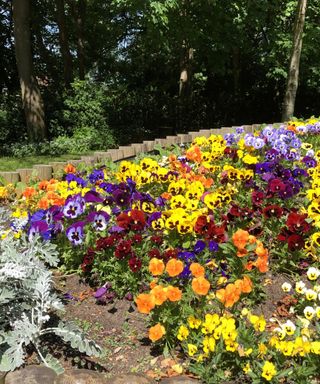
x=46, y=172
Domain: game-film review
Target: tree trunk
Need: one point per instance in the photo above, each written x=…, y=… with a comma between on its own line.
x=185, y=85
x=64, y=43
x=79, y=10
x=31, y=96
x=293, y=72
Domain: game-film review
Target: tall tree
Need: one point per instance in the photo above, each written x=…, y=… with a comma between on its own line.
x=79, y=10
x=30, y=92
x=64, y=42
x=293, y=72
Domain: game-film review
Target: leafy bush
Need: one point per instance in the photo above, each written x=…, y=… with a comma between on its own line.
x=84, y=117
x=26, y=303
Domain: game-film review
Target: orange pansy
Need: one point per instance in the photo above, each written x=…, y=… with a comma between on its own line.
x=70, y=169
x=229, y=295
x=29, y=192
x=156, y=332
x=197, y=269
x=174, y=267
x=174, y=293
x=246, y=284
x=160, y=294
x=145, y=303
x=43, y=203
x=200, y=285
x=240, y=238
x=242, y=252
x=43, y=185
x=156, y=266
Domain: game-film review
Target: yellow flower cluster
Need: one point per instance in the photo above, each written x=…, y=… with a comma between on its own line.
x=213, y=329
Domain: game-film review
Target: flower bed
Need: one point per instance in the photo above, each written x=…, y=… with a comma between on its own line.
x=192, y=236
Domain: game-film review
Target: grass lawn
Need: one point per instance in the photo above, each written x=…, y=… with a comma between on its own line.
x=13, y=163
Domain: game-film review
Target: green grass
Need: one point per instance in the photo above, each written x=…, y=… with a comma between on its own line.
x=13, y=163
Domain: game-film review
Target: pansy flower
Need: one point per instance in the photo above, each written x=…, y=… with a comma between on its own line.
x=99, y=220
x=39, y=227
x=73, y=207
x=75, y=233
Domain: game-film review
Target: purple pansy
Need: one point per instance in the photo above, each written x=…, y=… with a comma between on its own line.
x=75, y=233
x=99, y=220
x=73, y=207
x=39, y=227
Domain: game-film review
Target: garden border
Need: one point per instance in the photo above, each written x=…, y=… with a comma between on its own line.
x=47, y=171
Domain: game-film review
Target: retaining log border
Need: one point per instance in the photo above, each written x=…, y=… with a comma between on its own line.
x=47, y=171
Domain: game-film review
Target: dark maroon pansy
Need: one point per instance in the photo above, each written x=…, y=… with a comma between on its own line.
x=297, y=222
x=272, y=211
x=295, y=242
x=135, y=264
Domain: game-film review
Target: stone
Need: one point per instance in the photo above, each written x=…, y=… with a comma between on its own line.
x=179, y=380
x=80, y=376
x=31, y=374
x=130, y=378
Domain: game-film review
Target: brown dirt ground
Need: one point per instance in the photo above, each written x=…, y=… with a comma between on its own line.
x=117, y=327
x=122, y=332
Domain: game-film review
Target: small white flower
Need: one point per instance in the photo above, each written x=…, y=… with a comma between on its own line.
x=286, y=287
x=313, y=273
x=309, y=312
x=289, y=327
x=300, y=287
x=311, y=294
x=281, y=333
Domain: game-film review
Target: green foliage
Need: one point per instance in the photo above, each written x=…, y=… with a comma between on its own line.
x=85, y=119
x=27, y=302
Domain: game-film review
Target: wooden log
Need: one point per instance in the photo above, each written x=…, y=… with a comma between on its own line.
x=88, y=160
x=215, y=131
x=44, y=171
x=149, y=145
x=25, y=174
x=102, y=156
x=128, y=151
x=116, y=154
x=162, y=142
x=225, y=130
x=204, y=132
x=58, y=166
x=10, y=177
x=138, y=148
x=248, y=128
x=174, y=139
x=75, y=163
x=255, y=127
x=185, y=138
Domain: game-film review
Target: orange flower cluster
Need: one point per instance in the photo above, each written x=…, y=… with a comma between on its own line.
x=241, y=239
x=157, y=296
x=194, y=154
x=174, y=267
x=231, y=293
x=49, y=189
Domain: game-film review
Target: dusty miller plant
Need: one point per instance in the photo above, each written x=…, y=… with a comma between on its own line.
x=27, y=301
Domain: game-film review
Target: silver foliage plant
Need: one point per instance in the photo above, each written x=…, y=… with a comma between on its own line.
x=26, y=302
